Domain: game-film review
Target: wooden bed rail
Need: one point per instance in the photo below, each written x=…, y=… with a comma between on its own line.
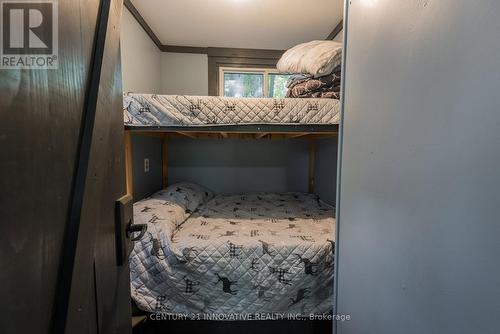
x=236, y=135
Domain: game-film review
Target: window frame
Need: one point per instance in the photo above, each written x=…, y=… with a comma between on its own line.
x=236, y=70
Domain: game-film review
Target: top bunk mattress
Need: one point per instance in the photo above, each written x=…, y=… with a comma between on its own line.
x=150, y=110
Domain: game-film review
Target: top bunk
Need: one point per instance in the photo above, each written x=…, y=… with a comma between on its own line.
x=311, y=106
x=226, y=116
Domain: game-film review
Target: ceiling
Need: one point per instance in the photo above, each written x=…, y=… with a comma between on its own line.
x=253, y=24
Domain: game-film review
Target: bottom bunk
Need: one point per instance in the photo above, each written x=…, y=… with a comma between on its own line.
x=245, y=254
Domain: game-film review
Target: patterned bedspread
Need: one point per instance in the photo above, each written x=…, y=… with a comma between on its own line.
x=180, y=110
x=235, y=254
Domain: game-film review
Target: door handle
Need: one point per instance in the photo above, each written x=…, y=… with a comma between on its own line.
x=133, y=228
x=124, y=229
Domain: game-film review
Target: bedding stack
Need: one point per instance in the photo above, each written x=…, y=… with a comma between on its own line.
x=315, y=68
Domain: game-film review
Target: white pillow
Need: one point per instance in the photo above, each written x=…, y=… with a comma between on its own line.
x=169, y=208
x=317, y=58
x=188, y=195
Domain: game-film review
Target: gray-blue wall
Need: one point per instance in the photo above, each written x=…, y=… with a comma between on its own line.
x=235, y=166
x=418, y=219
x=146, y=183
x=326, y=169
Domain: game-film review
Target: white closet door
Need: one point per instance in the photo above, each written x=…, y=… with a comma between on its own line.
x=419, y=204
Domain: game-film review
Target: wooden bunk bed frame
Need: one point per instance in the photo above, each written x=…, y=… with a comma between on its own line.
x=258, y=132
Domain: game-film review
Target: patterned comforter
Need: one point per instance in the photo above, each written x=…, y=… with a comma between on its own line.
x=233, y=254
x=180, y=110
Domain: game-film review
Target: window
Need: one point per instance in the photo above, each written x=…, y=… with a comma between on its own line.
x=252, y=82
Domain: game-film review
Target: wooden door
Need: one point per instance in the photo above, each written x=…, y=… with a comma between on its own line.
x=62, y=169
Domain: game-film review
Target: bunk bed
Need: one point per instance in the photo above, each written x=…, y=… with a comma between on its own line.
x=209, y=253
x=170, y=116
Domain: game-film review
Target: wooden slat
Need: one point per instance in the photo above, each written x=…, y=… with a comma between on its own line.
x=297, y=135
x=187, y=134
x=261, y=135
x=312, y=166
x=235, y=134
x=164, y=162
x=128, y=162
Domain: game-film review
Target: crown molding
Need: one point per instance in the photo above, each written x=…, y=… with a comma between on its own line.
x=338, y=28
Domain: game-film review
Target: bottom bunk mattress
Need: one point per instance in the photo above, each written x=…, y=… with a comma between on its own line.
x=233, y=254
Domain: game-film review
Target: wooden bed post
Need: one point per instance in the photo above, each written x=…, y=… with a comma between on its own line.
x=128, y=162
x=164, y=162
x=312, y=165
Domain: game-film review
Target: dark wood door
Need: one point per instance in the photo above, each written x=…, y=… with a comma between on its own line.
x=61, y=170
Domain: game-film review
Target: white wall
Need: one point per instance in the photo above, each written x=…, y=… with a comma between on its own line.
x=141, y=59
x=147, y=70
x=184, y=74
x=340, y=36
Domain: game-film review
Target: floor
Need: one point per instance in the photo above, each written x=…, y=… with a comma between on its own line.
x=234, y=327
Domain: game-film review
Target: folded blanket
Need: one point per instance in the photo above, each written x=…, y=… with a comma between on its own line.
x=296, y=78
x=337, y=70
x=299, y=92
x=323, y=87
x=317, y=58
x=316, y=83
